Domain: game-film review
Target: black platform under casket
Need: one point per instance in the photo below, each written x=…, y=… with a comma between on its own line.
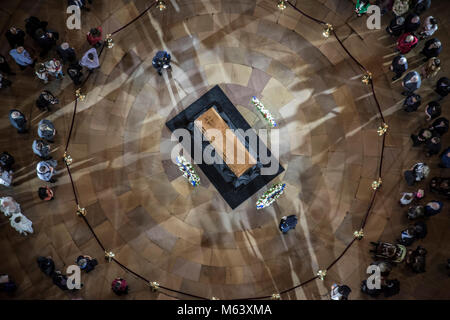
x=233, y=189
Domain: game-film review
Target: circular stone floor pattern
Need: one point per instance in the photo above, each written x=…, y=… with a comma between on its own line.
x=188, y=238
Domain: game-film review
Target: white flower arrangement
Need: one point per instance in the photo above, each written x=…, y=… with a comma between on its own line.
x=188, y=171
x=270, y=195
x=264, y=112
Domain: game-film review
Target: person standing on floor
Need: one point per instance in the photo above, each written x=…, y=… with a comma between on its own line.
x=15, y=37
x=432, y=48
x=45, y=40
x=41, y=149
x=45, y=193
x=340, y=292
x=406, y=42
x=74, y=72
x=429, y=28
x=94, y=37
x=412, y=23
x=399, y=66
x=66, y=53
x=22, y=57
x=46, y=265
x=432, y=110
x=90, y=60
x=161, y=61
x=411, y=82
x=80, y=4
x=433, y=146
x=119, y=286
x=420, y=6
x=287, y=223
x=412, y=103
x=361, y=7
x=4, y=66
x=442, y=87
x=440, y=126
x=55, y=68
x=400, y=7
x=86, y=263
x=4, y=83
x=46, y=130
x=46, y=170
x=7, y=284
x=396, y=26
x=45, y=100
x=18, y=121
x=41, y=72
x=432, y=68
x=445, y=158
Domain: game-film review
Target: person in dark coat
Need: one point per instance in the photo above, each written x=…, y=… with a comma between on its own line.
x=422, y=137
x=420, y=6
x=7, y=284
x=45, y=40
x=60, y=280
x=440, y=126
x=161, y=61
x=47, y=265
x=412, y=103
x=412, y=23
x=74, y=72
x=32, y=24
x=4, y=66
x=398, y=66
x=119, y=286
x=15, y=37
x=4, y=83
x=433, y=110
x=80, y=4
x=415, y=259
x=41, y=149
x=412, y=233
x=86, y=263
x=66, y=53
x=18, y=121
x=417, y=173
x=442, y=87
x=46, y=193
x=340, y=292
x=445, y=158
x=45, y=100
x=433, y=146
x=433, y=207
x=288, y=223
x=396, y=26
x=431, y=49
x=411, y=82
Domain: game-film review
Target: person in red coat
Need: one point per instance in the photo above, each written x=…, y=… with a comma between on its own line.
x=94, y=37
x=406, y=42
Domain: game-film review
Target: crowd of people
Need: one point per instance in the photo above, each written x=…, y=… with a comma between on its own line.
x=52, y=63
x=409, y=27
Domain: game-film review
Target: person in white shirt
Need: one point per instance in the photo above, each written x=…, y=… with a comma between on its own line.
x=90, y=59
x=46, y=170
x=429, y=28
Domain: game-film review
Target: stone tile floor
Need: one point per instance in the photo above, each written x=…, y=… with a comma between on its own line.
x=189, y=239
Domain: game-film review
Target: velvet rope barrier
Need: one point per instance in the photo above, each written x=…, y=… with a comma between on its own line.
x=348, y=246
